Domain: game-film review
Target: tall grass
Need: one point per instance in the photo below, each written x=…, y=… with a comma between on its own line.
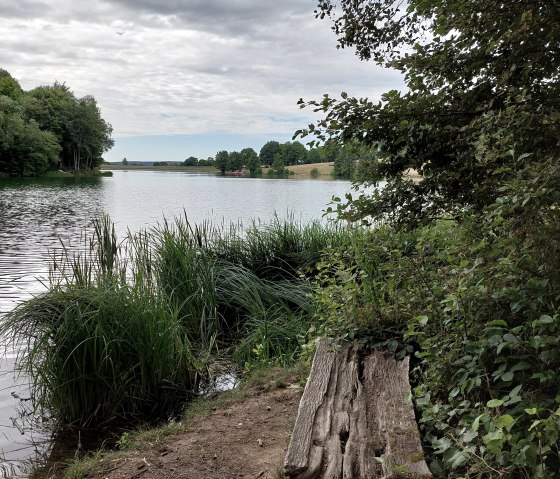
x=121, y=331
x=102, y=346
x=101, y=354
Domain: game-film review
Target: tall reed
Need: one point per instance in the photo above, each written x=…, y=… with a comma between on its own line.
x=102, y=345
x=100, y=354
x=122, y=328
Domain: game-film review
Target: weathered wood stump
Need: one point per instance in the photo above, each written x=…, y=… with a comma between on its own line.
x=356, y=419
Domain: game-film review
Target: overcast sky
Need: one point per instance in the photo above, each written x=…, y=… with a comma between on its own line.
x=177, y=78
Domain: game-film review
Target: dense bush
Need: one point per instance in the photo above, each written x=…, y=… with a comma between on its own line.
x=476, y=300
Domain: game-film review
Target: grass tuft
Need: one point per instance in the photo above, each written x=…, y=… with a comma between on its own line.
x=126, y=329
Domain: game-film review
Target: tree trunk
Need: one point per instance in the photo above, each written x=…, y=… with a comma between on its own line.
x=356, y=419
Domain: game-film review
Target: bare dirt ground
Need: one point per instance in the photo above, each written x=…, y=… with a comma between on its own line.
x=246, y=438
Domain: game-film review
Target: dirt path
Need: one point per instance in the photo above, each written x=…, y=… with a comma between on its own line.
x=245, y=439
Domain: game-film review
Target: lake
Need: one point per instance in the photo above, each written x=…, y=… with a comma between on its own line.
x=38, y=216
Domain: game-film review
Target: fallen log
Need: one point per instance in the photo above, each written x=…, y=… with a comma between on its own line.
x=355, y=419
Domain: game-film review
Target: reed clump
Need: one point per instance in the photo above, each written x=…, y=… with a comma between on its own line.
x=125, y=328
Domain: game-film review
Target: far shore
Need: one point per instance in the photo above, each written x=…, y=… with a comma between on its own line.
x=299, y=171
x=190, y=169
x=324, y=170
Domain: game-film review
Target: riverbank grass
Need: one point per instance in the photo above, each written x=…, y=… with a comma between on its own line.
x=127, y=329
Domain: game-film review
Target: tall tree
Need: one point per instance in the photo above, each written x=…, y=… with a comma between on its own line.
x=482, y=99
x=278, y=166
x=221, y=161
x=81, y=131
x=269, y=151
x=294, y=153
x=9, y=86
x=235, y=161
x=25, y=149
x=191, y=161
x=251, y=160
x=314, y=156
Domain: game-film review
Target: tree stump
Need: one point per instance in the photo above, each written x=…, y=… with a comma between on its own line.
x=356, y=419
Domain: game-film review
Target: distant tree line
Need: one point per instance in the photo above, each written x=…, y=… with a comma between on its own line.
x=193, y=161
x=49, y=128
x=278, y=156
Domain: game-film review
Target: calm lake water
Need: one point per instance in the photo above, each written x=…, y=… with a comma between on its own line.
x=37, y=216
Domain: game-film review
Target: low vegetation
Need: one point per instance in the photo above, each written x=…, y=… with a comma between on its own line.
x=478, y=310
x=127, y=329
x=461, y=269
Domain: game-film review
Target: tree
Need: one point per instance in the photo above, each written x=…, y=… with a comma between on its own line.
x=191, y=161
x=124, y=162
x=235, y=161
x=208, y=162
x=278, y=166
x=90, y=134
x=221, y=161
x=251, y=161
x=314, y=156
x=294, y=153
x=77, y=123
x=25, y=150
x=330, y=151
x=269, y=151
x=483, y=89
x=9, y=86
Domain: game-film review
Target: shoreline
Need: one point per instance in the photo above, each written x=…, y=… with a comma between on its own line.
x=299, y=171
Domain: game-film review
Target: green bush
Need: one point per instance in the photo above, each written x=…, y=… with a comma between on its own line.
x=476, y=301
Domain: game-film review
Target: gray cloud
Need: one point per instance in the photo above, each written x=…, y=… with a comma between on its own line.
x=234, y=17
x=186, y=67
x=24, y=9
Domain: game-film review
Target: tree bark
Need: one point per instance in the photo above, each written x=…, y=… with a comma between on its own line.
x=355, y=419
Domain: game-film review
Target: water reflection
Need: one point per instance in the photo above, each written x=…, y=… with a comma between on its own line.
x=35, y=218
x=24, y=436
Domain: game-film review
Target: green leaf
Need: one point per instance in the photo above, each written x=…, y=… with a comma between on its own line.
x=468, y=436
x=535, y=423
x=476, y=423
x=515, y=391
x=494, y=403
x=507, y=377
x=504, y=421
x=496, y=435
x=421, y=320
x=544, y=319
x=496, y=323
x=456, y=458
x=520, y=366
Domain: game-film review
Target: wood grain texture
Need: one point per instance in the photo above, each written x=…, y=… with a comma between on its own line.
x=355, y=419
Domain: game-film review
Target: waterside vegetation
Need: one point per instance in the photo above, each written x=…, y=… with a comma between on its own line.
x=312, y=170
x=458, y=269
x=465, y=277
x=127, y=329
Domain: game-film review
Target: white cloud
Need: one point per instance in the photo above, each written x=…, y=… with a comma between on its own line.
x=185, y=67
